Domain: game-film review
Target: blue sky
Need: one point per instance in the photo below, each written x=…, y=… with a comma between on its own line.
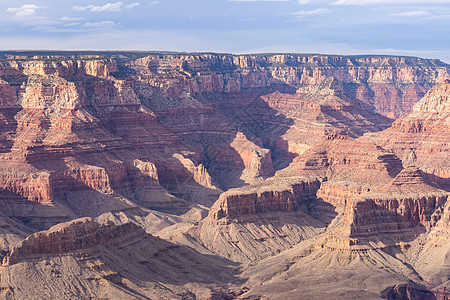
x=398, y=27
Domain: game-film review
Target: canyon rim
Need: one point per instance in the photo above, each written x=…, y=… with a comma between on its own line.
x=164, y=175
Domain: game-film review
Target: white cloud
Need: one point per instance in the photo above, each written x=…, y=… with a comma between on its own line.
x=314, y=12
x=108, y=7
x=100, y=24
x=24, y=10
x=392, y=2
x=133, y=5
x=412, y=14
x=72, y=24
x=154, y=2
x=114, y=7
x=82, y=8
x=259, y=0
x=70, y=19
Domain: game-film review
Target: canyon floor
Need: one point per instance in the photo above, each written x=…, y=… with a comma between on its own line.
x=134, y=175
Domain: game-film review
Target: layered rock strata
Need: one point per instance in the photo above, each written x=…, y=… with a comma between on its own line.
x=340, y=158
x=76, y=235
x=390, y=84
x=292, y=123
x=74, y=132
x=89, y=259
x=131, y=133
x=421, y=138
x=273, y=195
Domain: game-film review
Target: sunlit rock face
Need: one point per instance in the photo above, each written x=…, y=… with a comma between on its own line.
x=421, y=138
x=216, y=176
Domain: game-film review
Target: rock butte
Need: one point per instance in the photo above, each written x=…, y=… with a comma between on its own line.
x=215, y=176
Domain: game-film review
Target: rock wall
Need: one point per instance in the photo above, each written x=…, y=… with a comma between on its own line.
x=71, y=131
x=392, y=216
x=391, y=85
x=73, y=236
x=340, y=158
x=83, y=122
x=277, y=195
x=421, y=138
x=407, y=206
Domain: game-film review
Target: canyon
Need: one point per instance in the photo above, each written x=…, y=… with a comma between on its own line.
x=139, y=175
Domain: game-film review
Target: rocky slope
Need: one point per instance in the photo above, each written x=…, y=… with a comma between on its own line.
x=189, y=169
x=389, y=84
x=306, y=117
x=285, y=195
x=421, y=138
x=80, y=124
x=77, y=135
x=88, y=259
x=249, y=223
x=396, y=235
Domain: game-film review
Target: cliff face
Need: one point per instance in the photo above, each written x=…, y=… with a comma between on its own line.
x=340, y=158
x=253, y=222
x=72, y=236
x=421, y=138
x=279, y=195
x=303, y=119
x=385, y=215
x=203, y=107
x=392, y=85
x=89, y=259
x=73, y=132
x=400, y=214
x=156, y=139
x=210, y=92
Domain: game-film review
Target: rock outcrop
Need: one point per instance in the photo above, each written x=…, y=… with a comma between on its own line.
x=406, y=291
x=392, y=217
x=392, y=85
x=310, y=115
x=89, y=259
x=73, y=132
x=340, y=158
x=288, y=165
x=421, y=138
x=272, y=195
x=256, y=221
x=75, y=235
x=398, y=236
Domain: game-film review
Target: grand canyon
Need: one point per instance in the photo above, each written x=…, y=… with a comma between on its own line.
x=159, y=175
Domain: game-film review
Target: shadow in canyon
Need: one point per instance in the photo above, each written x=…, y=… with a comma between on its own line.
x=439, y=182
x=145, y=268
x=321, y=210
x=409, y=291
x=9, y=105
x=261, y=125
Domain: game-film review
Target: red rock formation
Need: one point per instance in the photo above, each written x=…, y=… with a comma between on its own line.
x=282, y=194
x=409, y=181
x=88, y=259
x=71, y=128
x=72, y=236
x=383, y=216
x=313, y=113
x=408, y=292
x=422, y=138
x=396, y=212
x=392, y=84
x=340, y=158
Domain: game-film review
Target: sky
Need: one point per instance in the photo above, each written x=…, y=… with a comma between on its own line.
x=347, y=27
